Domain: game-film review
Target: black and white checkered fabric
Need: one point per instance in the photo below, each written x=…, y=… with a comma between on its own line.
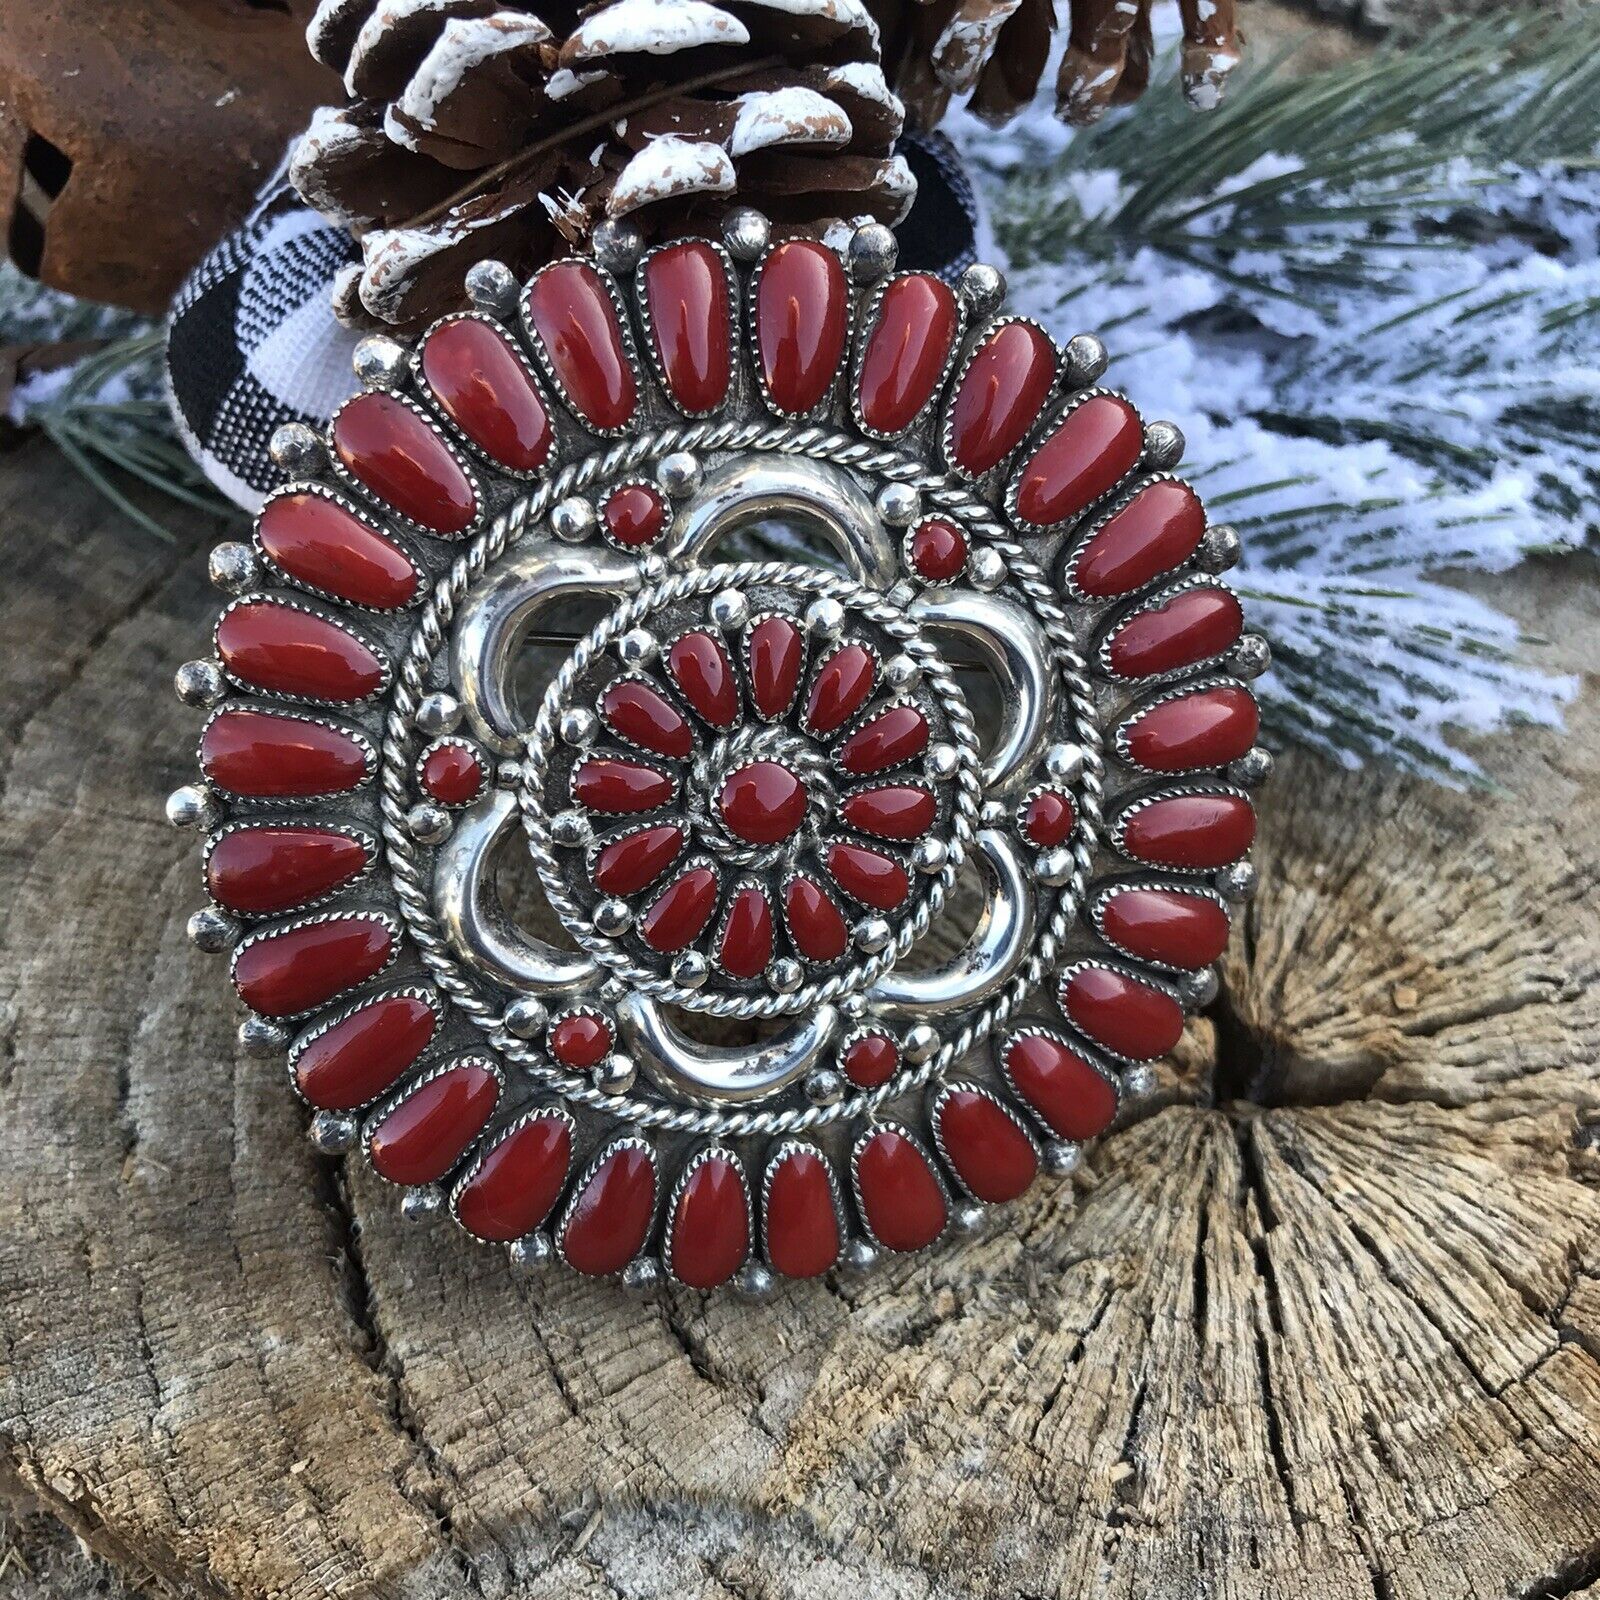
x=253, y=342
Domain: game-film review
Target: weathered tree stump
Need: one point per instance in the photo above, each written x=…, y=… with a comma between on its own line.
x=1325, y=1323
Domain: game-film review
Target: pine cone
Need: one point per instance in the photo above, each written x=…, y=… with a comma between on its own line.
x=477, y=130
x=996, y=50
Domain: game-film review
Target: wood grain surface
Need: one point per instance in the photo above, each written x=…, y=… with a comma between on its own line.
x=1323, y=1323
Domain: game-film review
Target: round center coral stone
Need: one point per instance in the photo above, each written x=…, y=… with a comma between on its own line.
x=762, y=802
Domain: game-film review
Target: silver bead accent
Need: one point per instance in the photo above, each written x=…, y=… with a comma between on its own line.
x=745, y=232
x=1062, y=1157
x=992, y=814
x=1219, y=549
x=333, y=1132
x=871, y=252
x=1252, y=656
x=901, y=672
x=508, y=774
x=968, y=1217
x=1139, y=1081
x=755, y=1281
x=1252, y=768
x=680, y=474
x=260, y=1038
x=213, y=931
x=690, y=970
x=930, y=855
x=530, y=1251
x=871, y=935
x=577, y=725
x=573, y=519
x=613, y=991
x=570, y=829
x=824, y=1086
x=613, y=918
x=616, y=1075
x=200, y=683
x=193, y=807
x=297, y=450
x=899, y=504
x=859, y=1257
x=379, y=361
x=1054, y=867
x=526, y=1018
x=1237, y=882
x=492, y=287
x=1086, y=360
x=438, y=713
x=982, y=288
x=1197, y=989
x=785, y=975
x=653, y=568
x=919, y=1043
x=637, y=647
x=825, y=618
x=642, y=1275
x=233, y=567
x=1064, y=762
x=729, y=610
x=1163, y=445
x=618, y=243
x=986, y=569
x=428, y=823
x=421, y=1203
x=943, y=759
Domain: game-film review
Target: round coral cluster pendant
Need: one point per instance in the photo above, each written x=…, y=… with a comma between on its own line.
x=881, y=814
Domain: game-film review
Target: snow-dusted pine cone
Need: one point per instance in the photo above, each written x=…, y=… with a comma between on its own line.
x=996, y=50
x=478, y=130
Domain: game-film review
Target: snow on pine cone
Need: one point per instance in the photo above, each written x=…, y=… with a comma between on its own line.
x=476, y=130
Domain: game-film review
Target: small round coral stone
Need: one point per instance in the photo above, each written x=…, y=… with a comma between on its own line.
x=1049, y=818
x=937, y=550
x=635, y=515
x=872, y=1059
x=763, y=802
x=452, y=774
x=581, y=1040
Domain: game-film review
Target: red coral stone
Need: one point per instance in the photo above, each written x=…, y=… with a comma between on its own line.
x=261, y=870
x=802, y=319
x=634, y=515
x=686, y=292
x=363, y=1053
x=994, y=1159
x=891, y=737
x=518, y=1181
x=894, y=811
x=271, y=757
x=1190, y=830
x=904, y=1205
x=802, y=1223
x=681, y=911
x=1165, y=925
x=606, y=1225
x=571, y=312
x=1129, y=1018
x=1206, y=728
x=390, y=449
x=632, y=863
x=1074, y=1100
x=869, y=876
x=1049, y=818
x=762, y=802
x=872, y=1059
x=1191, y=627
x=429, y=1131
x=315, y=541
x=581, y=1040
x=937, y=550
x=1001, y=394
x=1159, y=527
x=777, y=653
x=452, y=774
x=620, y=786
x=1096, y=443
x=746, y=944
x=701, y=669
x=814, y=921
x=483, y=387
x=644, y=716
x=710, y=1235
x=288, y=651
x=840, y=687
x=906, y=352
x=286, y=973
